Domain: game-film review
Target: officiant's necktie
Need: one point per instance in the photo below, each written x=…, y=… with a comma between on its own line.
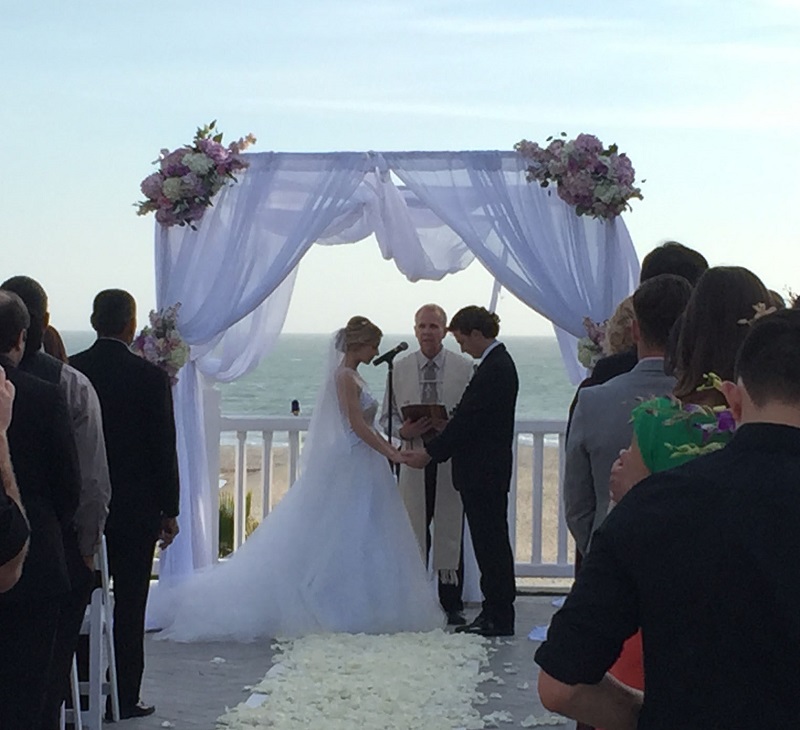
x=430, y=392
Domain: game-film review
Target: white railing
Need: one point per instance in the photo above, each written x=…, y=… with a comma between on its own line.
x=536, y=514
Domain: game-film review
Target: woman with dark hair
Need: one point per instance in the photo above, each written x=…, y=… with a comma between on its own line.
x=671, y=431
x=338, y=553
x=53, y=344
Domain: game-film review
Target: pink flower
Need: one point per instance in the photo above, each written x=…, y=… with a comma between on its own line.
x=594, y=180
x=151, y=186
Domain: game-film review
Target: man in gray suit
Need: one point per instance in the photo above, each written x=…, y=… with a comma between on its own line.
x=601, y=424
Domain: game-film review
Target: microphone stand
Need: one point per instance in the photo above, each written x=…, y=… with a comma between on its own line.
x=390, y=393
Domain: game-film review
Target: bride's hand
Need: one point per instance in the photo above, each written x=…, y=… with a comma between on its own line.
x=396, y=456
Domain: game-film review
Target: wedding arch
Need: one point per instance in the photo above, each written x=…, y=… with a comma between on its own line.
x=235, y=274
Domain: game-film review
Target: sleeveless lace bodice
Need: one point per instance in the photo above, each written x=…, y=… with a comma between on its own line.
x=369, y=406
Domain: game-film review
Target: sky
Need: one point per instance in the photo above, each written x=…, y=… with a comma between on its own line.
x=703, y=97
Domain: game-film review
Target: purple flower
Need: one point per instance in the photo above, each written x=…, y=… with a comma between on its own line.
x=588, y=144
x=725, y=421
x=151, y=186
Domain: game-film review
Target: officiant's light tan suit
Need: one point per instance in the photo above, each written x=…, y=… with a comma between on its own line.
x=453, y=375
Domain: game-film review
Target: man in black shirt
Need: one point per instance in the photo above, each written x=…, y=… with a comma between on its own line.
x=697, y=557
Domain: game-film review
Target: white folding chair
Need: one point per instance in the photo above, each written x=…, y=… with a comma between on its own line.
x=98, y=625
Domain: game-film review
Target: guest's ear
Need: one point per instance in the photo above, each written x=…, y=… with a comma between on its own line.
x=733, y=394
x=636, y=333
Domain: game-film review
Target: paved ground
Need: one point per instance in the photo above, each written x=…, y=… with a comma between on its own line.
x=190, y=689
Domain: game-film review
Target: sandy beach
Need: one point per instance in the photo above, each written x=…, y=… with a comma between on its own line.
x=524, y=504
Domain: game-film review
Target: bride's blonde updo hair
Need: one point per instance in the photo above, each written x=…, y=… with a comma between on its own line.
x=359, y=331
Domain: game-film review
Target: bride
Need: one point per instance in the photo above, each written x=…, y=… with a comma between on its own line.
x=338, y=553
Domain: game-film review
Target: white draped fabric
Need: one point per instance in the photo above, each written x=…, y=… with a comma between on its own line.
x=234, y=276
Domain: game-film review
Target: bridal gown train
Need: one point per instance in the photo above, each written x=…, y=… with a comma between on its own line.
x=337, y=554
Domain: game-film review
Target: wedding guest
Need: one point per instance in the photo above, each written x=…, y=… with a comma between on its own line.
x=42, y=449
x=14, y=531
x=670, y=257
x=619, y=329
x=668, y=431
x=136, y=403
x=432, y=374
x=777, y=300
x=479, y=438
x=693, y=556
x=53, y=344
x=601, y=424
x=81, y=538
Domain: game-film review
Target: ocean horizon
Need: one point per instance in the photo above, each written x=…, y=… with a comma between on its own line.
x=294, y=370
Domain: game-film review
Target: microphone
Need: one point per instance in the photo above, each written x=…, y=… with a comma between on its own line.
x=390, y=354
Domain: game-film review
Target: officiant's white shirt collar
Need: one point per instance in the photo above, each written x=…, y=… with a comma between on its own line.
x=438, y=360
x=487, y=351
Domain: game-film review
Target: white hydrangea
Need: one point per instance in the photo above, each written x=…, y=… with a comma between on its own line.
x=198, y=162
x=173, y=188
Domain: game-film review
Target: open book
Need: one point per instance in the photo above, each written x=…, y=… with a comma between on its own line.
x=415, y=411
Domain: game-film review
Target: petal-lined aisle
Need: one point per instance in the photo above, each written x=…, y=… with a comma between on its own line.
x=411, y=680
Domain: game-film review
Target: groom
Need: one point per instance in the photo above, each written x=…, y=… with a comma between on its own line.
x=479, y=439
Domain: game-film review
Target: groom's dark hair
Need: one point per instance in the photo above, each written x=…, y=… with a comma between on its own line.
x=112, y=311
x=768, y=362
x=475, y=318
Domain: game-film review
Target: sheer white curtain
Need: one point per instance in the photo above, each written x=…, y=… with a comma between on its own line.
x=234, y=276
x=563, y=266
x=234, y=279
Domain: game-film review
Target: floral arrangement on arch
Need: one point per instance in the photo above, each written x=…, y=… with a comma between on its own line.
x=590, y=347
x=161, y=343
x=189, y=177
x=594, y=179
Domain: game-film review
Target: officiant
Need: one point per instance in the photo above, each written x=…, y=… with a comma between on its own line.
x=431, y=376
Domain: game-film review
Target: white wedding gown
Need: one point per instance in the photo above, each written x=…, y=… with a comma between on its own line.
x=336, y=555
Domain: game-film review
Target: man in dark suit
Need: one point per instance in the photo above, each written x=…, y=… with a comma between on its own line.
x=14, y=529
x=42, y=449
x=82, y=538
x=136, y=402
x=479, y=438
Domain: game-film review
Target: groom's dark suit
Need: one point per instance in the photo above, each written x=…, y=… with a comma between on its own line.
x=139, y=428
x=479, y=439
x=46, y=467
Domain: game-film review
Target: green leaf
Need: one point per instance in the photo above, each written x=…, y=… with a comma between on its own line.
x=549, y=138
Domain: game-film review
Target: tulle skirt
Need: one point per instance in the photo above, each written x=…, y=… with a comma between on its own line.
x=336, y=555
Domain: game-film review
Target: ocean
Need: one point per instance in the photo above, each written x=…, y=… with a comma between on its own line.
x=293, y=371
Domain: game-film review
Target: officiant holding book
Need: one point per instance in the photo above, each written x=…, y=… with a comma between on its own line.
x=427, y=385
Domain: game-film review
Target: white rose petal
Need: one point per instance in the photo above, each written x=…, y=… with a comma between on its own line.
x=342, y=681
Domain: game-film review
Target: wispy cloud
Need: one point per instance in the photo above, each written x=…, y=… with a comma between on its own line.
x=753, y=113
x=508, y=26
